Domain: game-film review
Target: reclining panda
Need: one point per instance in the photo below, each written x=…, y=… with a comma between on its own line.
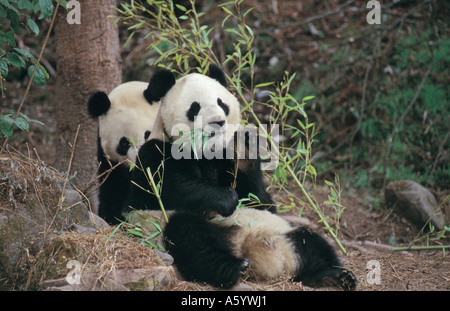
x=125, y=115
x=210, y=240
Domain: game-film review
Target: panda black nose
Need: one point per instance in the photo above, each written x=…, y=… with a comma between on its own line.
x=219, y=123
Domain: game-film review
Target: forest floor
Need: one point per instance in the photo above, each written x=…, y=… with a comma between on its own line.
x=367, y=236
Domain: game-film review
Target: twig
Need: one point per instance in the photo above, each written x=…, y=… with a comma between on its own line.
x=361, y=245
x=363, y=101
x=43, y=61
x=61, y=198
x=440, y=150
x=363, y=105
x=85, y=187
x=339, y=10
x=420, y=248
x=69, y=167
x=1, y=87
x=55, y=12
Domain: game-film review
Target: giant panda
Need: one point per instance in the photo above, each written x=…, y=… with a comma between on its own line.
x=210, y=239
x=126, y=115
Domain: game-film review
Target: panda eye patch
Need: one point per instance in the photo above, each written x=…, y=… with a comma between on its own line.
x=124, y=145
x=193, y=111
x=224, y=106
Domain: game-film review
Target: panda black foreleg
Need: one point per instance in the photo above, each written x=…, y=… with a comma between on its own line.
x=320, y=265
x=250, y=180
x=201, y=250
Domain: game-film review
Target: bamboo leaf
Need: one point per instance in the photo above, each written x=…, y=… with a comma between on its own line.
x=329, y=183
x=263, y=84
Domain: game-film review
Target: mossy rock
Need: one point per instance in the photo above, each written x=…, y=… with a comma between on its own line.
x=415, y=203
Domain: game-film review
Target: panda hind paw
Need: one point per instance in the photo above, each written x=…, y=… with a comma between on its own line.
x=231, y=274
x=336, y=277
x=347, y=280
x=341, y=278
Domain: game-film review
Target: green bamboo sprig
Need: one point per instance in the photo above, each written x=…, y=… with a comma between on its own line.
x=190, y=41
x=150, y=179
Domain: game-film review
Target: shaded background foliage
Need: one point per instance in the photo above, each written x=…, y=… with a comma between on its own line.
x=364, y=79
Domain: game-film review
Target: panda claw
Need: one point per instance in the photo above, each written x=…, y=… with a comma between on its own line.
x=245, y=265
x=347, y=280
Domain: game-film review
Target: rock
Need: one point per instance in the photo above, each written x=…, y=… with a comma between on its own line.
x=166, y=258
x=415, y=203
x=73, y=199
x=156, y=278
x=242, y=287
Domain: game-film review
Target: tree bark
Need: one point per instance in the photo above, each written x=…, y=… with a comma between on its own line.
x=88, y=60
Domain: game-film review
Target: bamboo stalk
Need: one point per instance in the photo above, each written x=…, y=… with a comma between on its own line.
x=157, y=194
x=317, y=211
x=303, y=190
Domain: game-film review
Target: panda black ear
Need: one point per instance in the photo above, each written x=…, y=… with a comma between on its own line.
x=98, y=104
x=161, y=82
x=217, y=73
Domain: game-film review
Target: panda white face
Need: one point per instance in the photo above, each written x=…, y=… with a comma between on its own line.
x=197, y=101
x=130, y=116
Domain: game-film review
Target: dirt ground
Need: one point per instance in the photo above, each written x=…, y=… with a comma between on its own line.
x=367, y=237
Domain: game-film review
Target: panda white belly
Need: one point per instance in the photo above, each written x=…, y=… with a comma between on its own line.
x=261, y=237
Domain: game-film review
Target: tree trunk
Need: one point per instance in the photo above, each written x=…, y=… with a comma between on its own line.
x=88, y=60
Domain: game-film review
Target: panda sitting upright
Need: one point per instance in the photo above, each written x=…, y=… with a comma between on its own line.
x=210, y=240
x=125, y=114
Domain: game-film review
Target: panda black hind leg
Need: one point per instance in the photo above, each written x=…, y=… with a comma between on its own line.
x=320, y=266
x=202, y=251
